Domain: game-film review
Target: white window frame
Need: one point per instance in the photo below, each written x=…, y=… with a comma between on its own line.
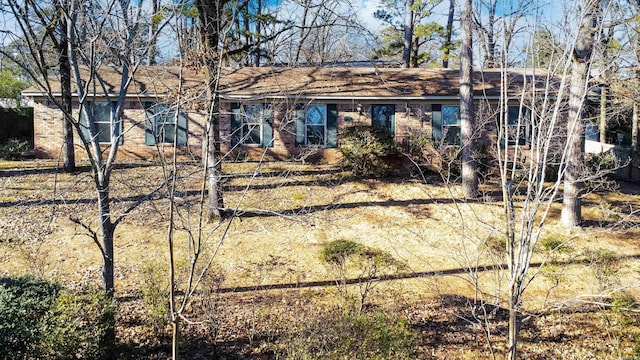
x=163, y=117
x=100, y=123
x=446, y=126
x=522, y=121
x=307, y=110
x=251, y=112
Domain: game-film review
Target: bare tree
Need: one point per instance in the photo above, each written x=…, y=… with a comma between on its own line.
x=112, y=25
x=467, y=118
x=153, y=31
x=448, y=44
x=492, y=26
x=408, y=33
x=582, y=52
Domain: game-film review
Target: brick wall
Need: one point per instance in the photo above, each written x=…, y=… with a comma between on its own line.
x=411, y=119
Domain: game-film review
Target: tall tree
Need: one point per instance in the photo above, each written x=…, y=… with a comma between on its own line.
x=153, y=31
x=493, y=19
x=88, y=48
x=408, y=33
x=571, y=215
x=51, y=19
x=467, y=118
x=321, y=32
x=210, y=31
x=635, y=123
x=448, y=44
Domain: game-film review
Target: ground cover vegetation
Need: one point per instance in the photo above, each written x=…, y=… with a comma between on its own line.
x=316, y=263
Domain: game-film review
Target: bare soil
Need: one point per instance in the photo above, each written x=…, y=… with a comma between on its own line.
x=268, y=256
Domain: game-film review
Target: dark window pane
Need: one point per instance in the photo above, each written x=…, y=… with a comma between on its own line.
x=451, y=115
x=104, y=132
x=251, y=134
x=315, y=135
x=452, y=135
x=381, y=116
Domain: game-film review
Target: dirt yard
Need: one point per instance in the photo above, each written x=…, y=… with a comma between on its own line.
x=451, y=289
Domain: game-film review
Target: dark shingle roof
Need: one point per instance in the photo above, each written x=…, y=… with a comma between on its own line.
x=311, y=82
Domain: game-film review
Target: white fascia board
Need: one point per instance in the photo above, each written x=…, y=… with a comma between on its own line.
x=347, y=98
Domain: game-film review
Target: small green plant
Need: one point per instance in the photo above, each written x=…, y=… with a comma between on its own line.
x=636, y=347
x=553, y=247
x=76, y=325
x=497, y=245
x=623, y=302
x=39, y=319
x=366, y=150
x=24, y=304
x=336, y=334
x=605, y=264
x=15, y=149
x=155, y=296
x=551, y=244
x=364, y=264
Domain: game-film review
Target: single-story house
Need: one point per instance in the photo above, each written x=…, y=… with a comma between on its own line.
x=283, y=113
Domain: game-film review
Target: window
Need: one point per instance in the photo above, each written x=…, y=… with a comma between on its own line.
x=101, y=115
x=383, y=117
x=162, y=123
x=451, y=124
x=251, y=124
x=316, y=125
x=518, y=124
x=445, y=124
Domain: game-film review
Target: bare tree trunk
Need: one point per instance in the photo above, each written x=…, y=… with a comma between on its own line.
x=107, y=230
x=416, y=53
x=490, y=56
x=571, y=215
x=408, y=33
x=634, y=127
x=514, y=323
x=210, y=17
x=467, y=120
x=68, y=151
x=153, y=30
x=448, y=44
x=258, y=51
x=302, y=35
x=214, y=162
x=603, y=113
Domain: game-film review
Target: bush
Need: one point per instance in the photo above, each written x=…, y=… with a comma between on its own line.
x=76, y=325
x=366, y=150
x=605, y=265
x=155, y=295
x=24, y=304
x=39, y=319
x=338, y=335
x=598, y=167
x=366, y=265
x=15, y=149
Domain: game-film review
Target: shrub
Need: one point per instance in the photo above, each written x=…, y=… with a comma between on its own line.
x=39, y=319
x=605, y=265
x=366, y=262
x=15, y=149
x=24, y=303
x=366, y=150
x=155, y=296
x=623, y=301
x=335, y=334
x=76, y=325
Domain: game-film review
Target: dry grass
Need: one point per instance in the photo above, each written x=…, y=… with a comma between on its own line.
x=287, y=212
